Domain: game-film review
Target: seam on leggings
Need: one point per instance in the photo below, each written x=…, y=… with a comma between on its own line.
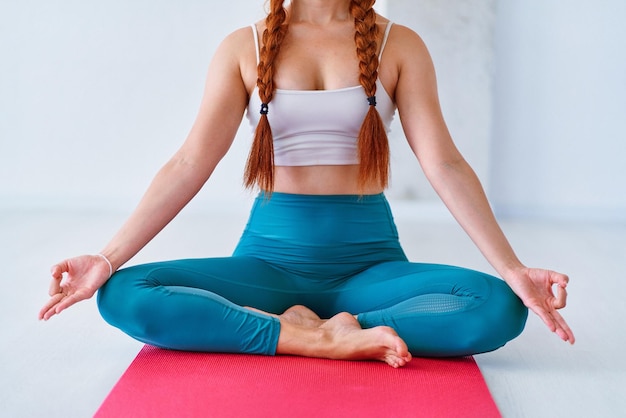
x=247, y=284
x=395, y=301
x=481, y=302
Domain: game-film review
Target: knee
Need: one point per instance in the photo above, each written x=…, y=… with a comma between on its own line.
x=112, y=298
x=500, y=317
x=121, y=305
x=506, y=314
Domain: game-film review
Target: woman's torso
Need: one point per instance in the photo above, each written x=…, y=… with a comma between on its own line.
x=320, y=59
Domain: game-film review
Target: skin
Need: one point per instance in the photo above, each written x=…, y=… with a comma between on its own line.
x=318, y=54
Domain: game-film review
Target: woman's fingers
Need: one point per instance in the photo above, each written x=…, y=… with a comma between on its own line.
x=560, y=279
x=539, y=294
x=563, y=330
x=546, y=318
x=58, y=269
x=559, y=302
x=561, y=298
x=57, y=276
x=73, y=280
x=55, y=290
x=49, y=308
x=55, y=285
x=555, y=322
x=68, y=301
x=58, y=303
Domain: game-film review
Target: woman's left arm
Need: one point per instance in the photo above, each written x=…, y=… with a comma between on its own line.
x=458, y=186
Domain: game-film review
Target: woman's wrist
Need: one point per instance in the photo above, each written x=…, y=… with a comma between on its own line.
x=513, y=271
x=108, y=262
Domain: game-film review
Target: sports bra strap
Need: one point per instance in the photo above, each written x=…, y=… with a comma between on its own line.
x=256, y=44
x=382, y=48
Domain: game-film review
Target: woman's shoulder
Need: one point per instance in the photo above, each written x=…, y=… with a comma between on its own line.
x=237, y=52
x=402, y=33
x=238, y=44
x=405, y=42
x=239, y=36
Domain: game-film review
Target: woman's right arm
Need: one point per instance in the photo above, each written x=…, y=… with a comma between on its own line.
x=177, y=182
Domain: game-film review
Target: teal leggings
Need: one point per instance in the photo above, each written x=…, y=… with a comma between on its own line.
x=329, y=253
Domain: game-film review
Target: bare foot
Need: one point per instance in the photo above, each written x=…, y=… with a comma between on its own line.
x=297, y=315
x=301, y=315
x=342, y=338
x=351, y=342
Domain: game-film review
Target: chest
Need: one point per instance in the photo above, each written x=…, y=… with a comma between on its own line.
x=316, y=59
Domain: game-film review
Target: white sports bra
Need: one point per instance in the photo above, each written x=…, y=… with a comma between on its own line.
x=319, y=127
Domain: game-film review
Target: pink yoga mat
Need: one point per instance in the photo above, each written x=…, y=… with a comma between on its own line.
x=162, y=383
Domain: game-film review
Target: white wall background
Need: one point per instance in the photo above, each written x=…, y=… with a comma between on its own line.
x=95, y=96
x=459, y=36
x=560, y=109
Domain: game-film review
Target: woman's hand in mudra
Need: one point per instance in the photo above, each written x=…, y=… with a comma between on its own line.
x=535, y=288
x=73, y=280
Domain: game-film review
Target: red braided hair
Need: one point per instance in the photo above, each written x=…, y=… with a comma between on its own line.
x=372, y=145
x=260, y=165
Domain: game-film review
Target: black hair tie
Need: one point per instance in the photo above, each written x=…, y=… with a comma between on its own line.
x=372, y=100
x=264, y=108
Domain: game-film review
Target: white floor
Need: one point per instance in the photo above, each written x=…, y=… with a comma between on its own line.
x=65, y=367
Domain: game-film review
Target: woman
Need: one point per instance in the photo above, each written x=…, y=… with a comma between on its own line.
x=320, y=241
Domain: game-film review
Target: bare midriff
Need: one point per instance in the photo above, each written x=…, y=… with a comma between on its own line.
x=320, y=180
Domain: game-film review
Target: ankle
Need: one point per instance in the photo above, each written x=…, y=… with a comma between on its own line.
x=298, y=339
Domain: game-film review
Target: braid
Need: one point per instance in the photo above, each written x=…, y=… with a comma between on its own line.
x=373, y=146
x=260, y=165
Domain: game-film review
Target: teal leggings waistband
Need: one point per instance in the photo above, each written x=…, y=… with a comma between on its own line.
x=321, y=238
x=330, y=253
